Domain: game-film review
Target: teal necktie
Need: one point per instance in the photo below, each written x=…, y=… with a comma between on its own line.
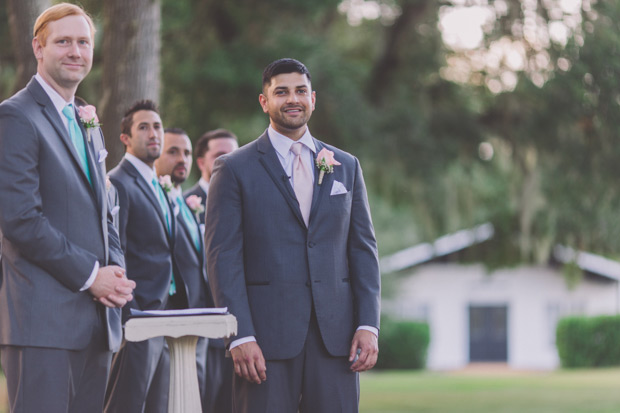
x=164, y=207
x=162, y=202
x=77, y=138
x=190, y=221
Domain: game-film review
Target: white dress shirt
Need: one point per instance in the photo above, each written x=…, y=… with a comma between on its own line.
x=204, y=185
x=145, y=171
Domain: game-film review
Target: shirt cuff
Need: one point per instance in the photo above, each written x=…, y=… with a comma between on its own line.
x=240, y=341
x=373, y=330
x=92, y=277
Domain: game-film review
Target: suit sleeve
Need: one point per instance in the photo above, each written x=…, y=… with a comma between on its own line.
x=21, y=219
x=363, y=258
x=114, y=242
x=224, y=246
x=123, y=213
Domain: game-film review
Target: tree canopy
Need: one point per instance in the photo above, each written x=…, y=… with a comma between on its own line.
x=517, y=127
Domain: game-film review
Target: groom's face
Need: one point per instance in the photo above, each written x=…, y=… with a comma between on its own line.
x=289, y=102
x=67, y=56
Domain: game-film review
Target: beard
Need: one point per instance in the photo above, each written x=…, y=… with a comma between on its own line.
x=178, y=177
x=281, y=119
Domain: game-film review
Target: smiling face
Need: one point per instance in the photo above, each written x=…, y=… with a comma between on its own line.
x=146, y=138
x=289, y=102
x=176, y=157
x=67, y=56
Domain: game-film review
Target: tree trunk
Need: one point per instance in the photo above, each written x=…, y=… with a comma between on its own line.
x=131, y=50
x=22, y=15
x=387, y=64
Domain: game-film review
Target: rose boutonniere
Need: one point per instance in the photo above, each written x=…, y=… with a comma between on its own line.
x=88, y=117
x=166, y=183
x=325, y=162
x=194, y=202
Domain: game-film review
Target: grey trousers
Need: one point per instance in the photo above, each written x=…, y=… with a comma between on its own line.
x=57, y=381
x=312, y=382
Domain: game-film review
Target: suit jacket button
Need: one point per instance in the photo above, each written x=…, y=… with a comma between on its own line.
x=311, y=244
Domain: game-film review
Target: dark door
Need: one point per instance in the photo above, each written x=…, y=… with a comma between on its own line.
x=488, y=333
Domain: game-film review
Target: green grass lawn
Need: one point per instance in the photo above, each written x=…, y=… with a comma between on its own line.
x=590, y=391
x=562, y=392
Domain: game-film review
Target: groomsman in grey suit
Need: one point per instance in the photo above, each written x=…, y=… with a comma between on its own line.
x=139, y=378
x=209, y=147
x=291, y=252
x=62, y=279
x=176, y=162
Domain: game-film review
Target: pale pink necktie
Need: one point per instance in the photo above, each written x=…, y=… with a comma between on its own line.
x=302, y=182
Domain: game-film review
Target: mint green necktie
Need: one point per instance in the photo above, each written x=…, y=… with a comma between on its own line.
x=77, y=138
x=190, y=221
x=164, y=207
x=162, y=201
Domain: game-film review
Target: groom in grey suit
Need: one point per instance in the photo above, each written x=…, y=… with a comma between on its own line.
x=292, y=253
x=62, y=279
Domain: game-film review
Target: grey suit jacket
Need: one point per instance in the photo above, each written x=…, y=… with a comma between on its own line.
x=270, y=270
x=54, y=226
x=148, y=246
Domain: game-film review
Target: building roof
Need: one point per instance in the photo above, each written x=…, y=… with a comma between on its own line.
x=460, y=240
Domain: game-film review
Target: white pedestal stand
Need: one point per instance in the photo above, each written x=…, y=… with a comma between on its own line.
x=181, y=333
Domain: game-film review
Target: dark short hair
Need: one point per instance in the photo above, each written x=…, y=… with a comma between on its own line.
x=202, y=146
x=176, y=131
x=127, y=121
x=286, y=65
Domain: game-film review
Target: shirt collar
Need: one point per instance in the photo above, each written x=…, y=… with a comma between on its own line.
x=57, y=100
x=204, y=185
x=282, y=144
x=175, y=193
x=146, y=171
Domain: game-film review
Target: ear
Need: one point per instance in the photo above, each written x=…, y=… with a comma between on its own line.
x=313, y=99
x=126, y=139
x=200, y=163
x=262, y=99
x=37, y=48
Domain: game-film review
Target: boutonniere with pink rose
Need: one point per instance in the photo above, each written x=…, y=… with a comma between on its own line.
x=88, y=117
x=194, y=202
x=325, y=162
x=166, y=183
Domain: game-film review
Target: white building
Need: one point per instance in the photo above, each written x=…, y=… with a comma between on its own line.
x=508, y=315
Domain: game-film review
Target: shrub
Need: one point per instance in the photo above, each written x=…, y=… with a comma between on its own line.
x=589, y=341
x=402, y=344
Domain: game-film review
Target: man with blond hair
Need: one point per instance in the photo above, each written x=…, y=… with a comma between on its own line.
x=62, y=280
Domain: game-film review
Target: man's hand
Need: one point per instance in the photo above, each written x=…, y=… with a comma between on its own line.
x=367, y=343
x=249, y=362
x=111, y=287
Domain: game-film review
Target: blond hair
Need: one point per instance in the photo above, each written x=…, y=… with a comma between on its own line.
x=57, y=12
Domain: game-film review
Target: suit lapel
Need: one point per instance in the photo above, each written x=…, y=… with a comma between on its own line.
x=49, y=111
x=269, y=159
x=188, y=232
x=98, y=188
x=150, y=196
x=319, y=191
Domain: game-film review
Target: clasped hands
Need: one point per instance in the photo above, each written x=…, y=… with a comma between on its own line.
x=111, y=287
x=250, y=363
